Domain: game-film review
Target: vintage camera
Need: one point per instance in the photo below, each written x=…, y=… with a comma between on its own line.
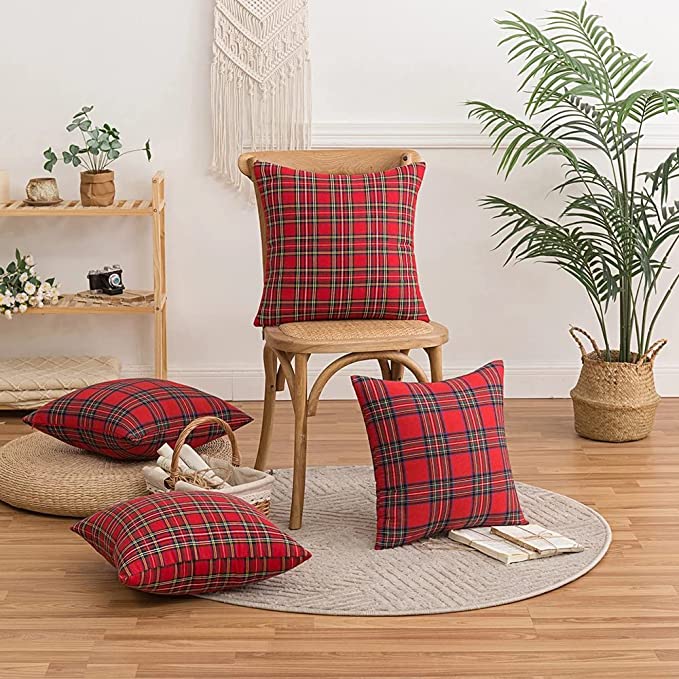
x=108, y=280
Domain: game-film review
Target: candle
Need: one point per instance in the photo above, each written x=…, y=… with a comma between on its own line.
x=4, y=186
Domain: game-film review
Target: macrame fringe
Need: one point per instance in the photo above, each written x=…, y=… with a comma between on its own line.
x=274, y=115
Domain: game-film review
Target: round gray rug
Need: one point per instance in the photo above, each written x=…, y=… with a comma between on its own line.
x=347, y=576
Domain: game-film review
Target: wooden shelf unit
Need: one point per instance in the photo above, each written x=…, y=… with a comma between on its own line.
x=154, y=208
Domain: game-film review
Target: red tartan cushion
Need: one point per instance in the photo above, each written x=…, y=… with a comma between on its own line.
x=339, y=247
x=130, y=419
x=189, y=543
x=439, y=454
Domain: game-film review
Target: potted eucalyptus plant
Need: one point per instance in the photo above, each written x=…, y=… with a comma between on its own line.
x=100, y=147
x=619, y=224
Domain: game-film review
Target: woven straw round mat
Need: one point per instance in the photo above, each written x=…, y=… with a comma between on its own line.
x=346, y=576
x=43, y=474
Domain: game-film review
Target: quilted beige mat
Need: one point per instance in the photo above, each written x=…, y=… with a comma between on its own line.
x=31, y=382
x=346, y=576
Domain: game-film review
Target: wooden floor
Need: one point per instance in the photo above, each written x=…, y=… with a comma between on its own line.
x=63, y=614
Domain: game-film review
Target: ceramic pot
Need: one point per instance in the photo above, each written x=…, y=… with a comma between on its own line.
x=97, y=189
x=42, y=190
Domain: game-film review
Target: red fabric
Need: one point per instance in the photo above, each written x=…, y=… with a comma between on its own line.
x=130, y=419
x=189, y=543
x=339, y=247
x=439, y=454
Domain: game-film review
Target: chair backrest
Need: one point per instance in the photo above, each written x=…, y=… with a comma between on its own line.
x=331, y=161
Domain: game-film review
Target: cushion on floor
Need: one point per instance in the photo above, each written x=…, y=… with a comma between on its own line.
x=130, y=419
x=190, y=543
x=439, y=454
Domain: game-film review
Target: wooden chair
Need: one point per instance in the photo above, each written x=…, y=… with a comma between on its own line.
x=287, y=347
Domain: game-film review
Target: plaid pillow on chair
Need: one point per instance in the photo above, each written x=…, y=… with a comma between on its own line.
x=439, y=454
x=339, y=247
x=130, y=419
x=189, y=543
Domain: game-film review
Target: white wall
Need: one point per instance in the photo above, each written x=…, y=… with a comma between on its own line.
x=386, y=71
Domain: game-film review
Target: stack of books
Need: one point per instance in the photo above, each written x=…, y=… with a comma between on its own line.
x=512, y=544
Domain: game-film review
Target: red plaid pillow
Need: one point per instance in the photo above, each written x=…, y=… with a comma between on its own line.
x=189, y=543
x=130, y=419
x=339, y=246
x=439, y=454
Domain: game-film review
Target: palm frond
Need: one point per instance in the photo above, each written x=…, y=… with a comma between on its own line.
x=523, y=141
x=546, y=66
x=584, y=37
x=643, y=105
x=613, y=236
x=661, y=177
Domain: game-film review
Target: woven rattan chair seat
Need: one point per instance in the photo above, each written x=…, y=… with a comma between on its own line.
x=337, y=336
x=43, y=474
x=343, y=330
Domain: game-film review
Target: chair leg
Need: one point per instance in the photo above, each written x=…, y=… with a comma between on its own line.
x=436, y=363
x=270, y=368
x=384, y=367
x=397, y=369
x=299, y=402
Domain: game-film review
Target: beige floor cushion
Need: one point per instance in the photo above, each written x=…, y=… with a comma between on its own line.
x=27, y=383
x=40, y=473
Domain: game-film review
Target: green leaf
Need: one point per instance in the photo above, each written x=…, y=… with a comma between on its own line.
x=11, y=267
x=85, y=125
x=67, y=157
x=115, y=144
x=147, y=148
x=87, y=109
x=113, y=154
x=74, y=148
x=76, y=161
x=72, y=126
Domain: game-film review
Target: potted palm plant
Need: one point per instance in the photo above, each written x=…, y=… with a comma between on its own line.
x=618, y=226
x=101, y=146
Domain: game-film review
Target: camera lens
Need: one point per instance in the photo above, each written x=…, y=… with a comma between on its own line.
x=114, y=280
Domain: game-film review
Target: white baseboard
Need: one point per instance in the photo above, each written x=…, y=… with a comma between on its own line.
x=537, y=381
x=444, y=135
x=465, y=134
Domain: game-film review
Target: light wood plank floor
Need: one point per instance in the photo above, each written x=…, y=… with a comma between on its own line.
x=62, y=613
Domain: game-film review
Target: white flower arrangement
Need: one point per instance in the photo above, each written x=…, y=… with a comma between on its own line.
x=21, y=288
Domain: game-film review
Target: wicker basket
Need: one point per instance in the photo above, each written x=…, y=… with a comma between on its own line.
x=613, y=401
x=251, y=485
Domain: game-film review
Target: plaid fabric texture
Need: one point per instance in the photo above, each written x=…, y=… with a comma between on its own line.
x=130, y=419
x=189, y=543
x=339, y=247
x=439, y=454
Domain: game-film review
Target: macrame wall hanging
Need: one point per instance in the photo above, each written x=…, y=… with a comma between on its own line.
x=261, y=95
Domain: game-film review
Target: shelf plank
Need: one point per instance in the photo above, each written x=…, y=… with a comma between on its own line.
x=74, y=208
x=71, y=304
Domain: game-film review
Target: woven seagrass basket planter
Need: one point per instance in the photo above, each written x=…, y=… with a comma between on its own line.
x=614, y=402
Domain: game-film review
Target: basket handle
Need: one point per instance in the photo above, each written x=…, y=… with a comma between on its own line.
x=573, y=329
x=186, y=432
x=652, y=351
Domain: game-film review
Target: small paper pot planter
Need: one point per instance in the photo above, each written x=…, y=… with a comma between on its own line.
x=97, y=189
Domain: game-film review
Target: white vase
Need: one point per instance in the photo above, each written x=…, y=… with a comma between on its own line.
x=4, y=186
